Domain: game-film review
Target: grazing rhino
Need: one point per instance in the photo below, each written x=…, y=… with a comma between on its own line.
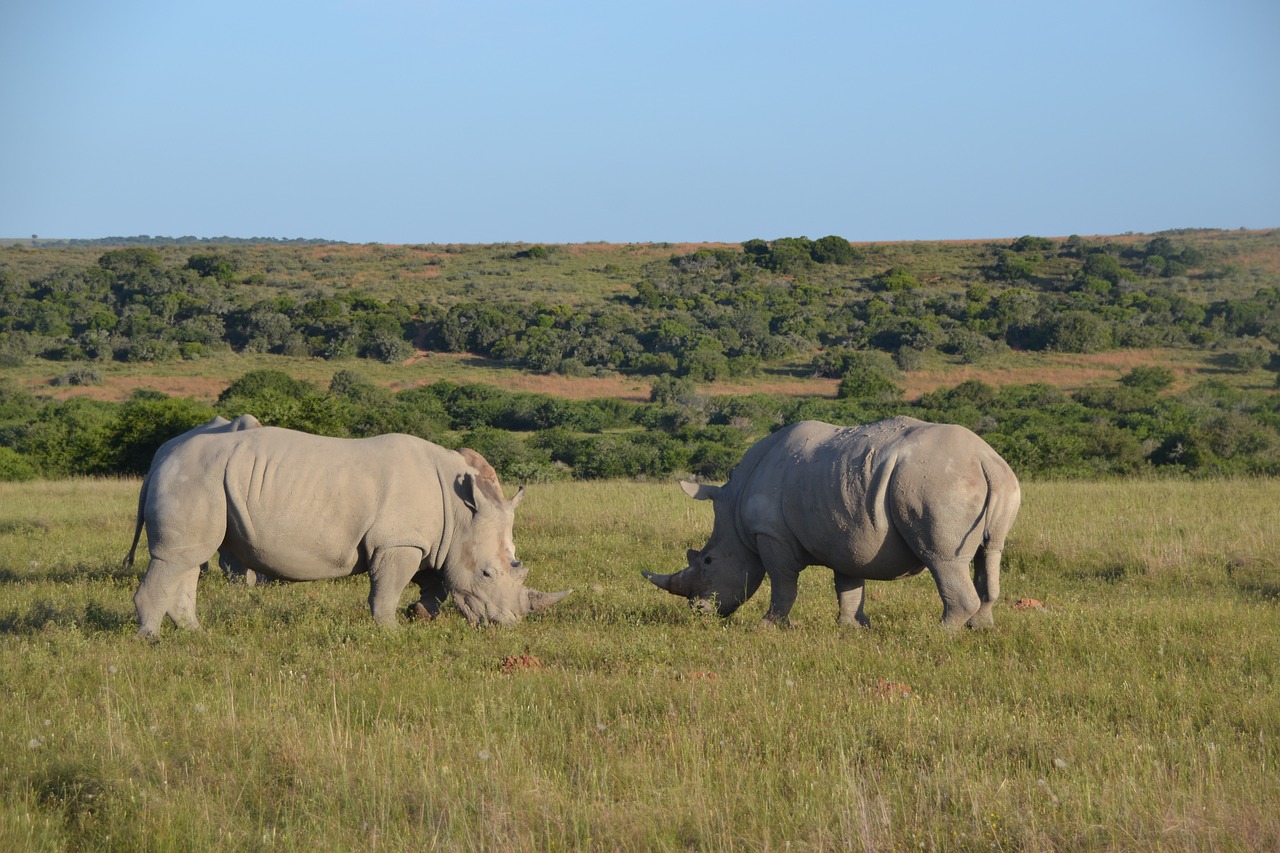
x=217, y=424
x=876, y=502
x=301, y=507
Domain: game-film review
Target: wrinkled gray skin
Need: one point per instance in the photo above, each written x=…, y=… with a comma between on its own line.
x=877, y=502
x=217, y=424
x=300, y=507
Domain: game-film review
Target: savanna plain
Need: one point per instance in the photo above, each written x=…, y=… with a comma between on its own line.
x=1127, y=698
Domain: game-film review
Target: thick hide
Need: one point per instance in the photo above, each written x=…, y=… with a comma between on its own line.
x=876, y=502
x=300, y=507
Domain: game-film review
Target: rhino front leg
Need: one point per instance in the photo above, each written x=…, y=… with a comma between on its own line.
x=166, y=589
x=390, y=571
x=431, y=585
x=783, y=569
x=850, y=592
x=959, y=597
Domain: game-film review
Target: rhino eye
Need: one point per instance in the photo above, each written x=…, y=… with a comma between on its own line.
x=706, y=561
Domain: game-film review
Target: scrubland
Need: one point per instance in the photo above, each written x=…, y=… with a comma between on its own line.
x=1127, y=698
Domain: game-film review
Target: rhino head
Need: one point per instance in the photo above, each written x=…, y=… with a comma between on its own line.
x=482, y=571
x=726, y=572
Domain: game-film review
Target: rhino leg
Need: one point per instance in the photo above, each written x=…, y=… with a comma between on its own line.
x=431, y=585
x=783, y=569
x=986, y=579
x=850, y=594
x=960, y=599
x=183, y=611
x=166, y=589
x=390, y=571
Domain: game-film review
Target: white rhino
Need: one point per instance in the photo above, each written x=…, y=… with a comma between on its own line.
x=216, y=424
x=876, y=502
x=301, y=507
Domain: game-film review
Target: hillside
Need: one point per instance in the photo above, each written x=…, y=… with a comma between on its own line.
x=786, y=328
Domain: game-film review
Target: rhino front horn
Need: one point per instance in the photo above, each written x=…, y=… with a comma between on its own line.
x=539, y=601
x=674, y=584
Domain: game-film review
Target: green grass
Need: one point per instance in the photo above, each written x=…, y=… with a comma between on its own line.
x=1137, y=709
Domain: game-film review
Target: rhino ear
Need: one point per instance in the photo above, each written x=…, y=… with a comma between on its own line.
x=519, y=496
x=700, y=491
x=469, y=491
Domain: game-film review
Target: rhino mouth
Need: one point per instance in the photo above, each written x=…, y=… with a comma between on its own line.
x=477, y=612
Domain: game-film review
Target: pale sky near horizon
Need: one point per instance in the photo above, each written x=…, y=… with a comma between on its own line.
x=394, y=121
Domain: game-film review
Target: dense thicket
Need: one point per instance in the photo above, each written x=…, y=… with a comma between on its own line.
x=862, y=314
x=708, y=314
x=1131, y=428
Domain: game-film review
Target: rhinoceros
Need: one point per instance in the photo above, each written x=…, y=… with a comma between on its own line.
x=216, y=424
x=877, y=502
x=301, y=507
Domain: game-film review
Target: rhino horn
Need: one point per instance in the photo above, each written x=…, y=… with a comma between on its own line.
x=539, y=601
x=676, y=584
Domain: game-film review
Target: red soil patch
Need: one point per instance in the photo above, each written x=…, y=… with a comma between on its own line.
x=1028, y=604
x=887, y=689
x=520, y=663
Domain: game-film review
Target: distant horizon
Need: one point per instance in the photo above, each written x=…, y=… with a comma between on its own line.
x=191, y=238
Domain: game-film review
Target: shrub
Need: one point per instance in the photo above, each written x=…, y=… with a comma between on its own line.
x=77, y=376
x=895, y=280
x=144, y=423
x=257, y=382
x=1078, y=331
x=870, y=375
x=1153, y=378
x=14, y=467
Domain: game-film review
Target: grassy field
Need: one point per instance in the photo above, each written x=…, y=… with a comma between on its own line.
x=1137, y=708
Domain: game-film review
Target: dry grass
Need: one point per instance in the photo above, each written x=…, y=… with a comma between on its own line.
x=1136, y=710
x=205, y=379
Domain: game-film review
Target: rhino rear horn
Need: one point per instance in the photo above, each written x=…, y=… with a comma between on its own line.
x=539, y=601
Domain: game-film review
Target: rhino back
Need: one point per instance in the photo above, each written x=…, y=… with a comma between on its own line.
x=305, y=507
x=871, y=500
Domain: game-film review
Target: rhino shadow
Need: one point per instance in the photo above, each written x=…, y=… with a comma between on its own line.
x=91, y=617
x=69, y=574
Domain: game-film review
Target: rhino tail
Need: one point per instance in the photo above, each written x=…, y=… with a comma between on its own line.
x=991, y=508
x=137, y=528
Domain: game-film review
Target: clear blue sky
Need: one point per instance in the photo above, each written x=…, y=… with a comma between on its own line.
x=415, y=121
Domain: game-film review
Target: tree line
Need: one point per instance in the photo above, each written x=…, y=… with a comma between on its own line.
x=1133, y=428
x=709, y=314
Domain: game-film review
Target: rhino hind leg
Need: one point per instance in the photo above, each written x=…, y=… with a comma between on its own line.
x=167, y=589
x=850, y=592
x=986, y=580
x=960, y=601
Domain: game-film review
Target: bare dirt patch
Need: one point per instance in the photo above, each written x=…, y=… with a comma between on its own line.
x=116, y=389
x=1066, y=371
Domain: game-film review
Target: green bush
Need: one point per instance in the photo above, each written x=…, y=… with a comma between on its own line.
x=1153, y=378
x=144, y=423
x=870, y=375
x=14, y=467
